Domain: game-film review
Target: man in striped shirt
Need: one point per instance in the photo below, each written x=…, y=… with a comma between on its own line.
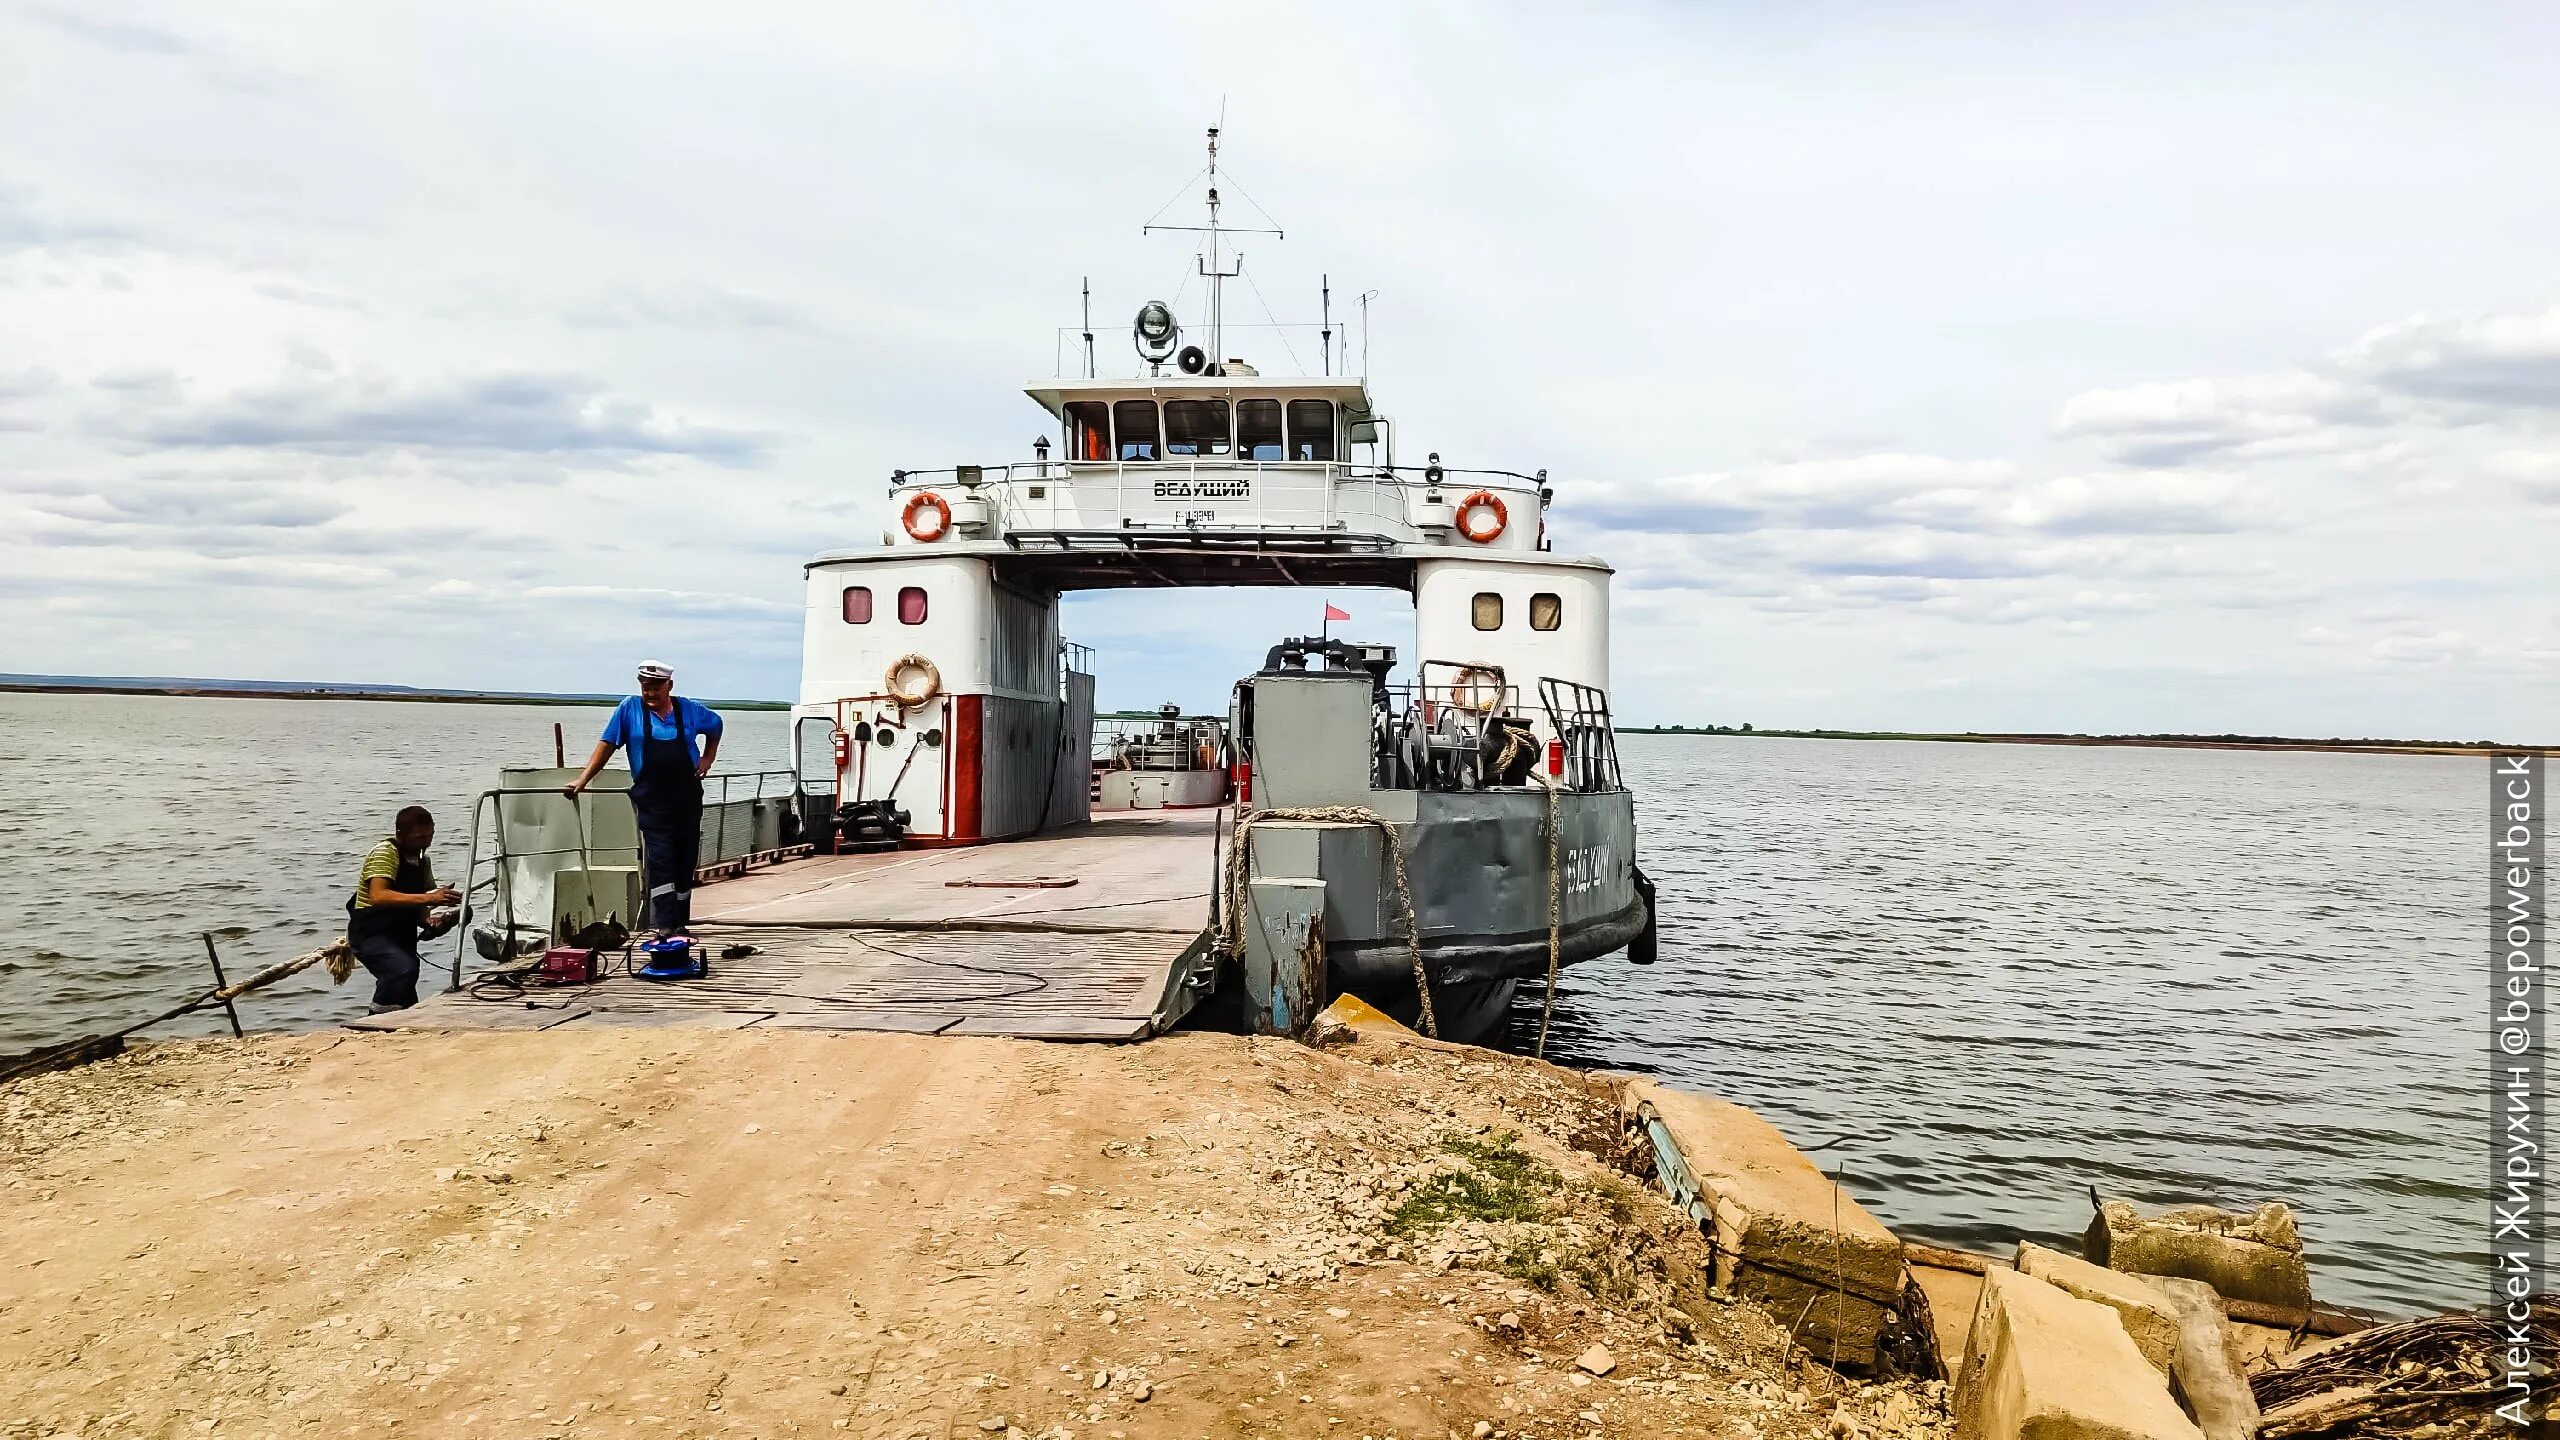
x=389, y=912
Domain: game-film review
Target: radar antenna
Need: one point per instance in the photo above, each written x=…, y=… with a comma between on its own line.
x=1212, y=267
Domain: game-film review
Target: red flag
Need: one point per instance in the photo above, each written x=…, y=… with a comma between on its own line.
x=1335, y=612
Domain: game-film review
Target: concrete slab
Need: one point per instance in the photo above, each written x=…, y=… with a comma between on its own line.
x=2208, y=1377
x=2150, y=1321
x=2043, y=1364
x=2256, y=1256
x=1784, y=1234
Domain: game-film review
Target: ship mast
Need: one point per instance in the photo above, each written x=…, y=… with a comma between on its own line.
x=1213, y=267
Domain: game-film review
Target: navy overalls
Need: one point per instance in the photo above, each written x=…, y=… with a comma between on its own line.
x=666, y=800
x=385, y=938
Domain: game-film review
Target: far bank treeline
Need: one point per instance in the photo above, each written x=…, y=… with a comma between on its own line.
x=288, y=690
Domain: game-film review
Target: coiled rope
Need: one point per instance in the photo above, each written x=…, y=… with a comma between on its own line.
x=1239, y=853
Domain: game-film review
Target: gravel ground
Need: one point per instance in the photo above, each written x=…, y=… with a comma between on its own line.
x=685, y=1233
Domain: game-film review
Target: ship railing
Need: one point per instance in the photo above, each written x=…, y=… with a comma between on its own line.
x=1578, y=717
x=742, y=825
x=1330, y=344
x=1310, y=498
x=1431, y=730
x=1145, y=744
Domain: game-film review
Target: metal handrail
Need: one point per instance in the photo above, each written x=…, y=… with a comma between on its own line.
x=1579, y=715
x=473, y=883
x=1127, y=499
x=1052, y=470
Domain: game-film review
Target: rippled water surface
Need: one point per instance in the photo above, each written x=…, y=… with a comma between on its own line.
x=2011, y=972
x=130, y=823
x=2015, y=972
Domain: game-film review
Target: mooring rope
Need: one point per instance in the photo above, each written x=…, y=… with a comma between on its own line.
x=1239, y=853
x=340, y=960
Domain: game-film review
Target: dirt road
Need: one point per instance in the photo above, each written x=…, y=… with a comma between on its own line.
x=678, y=1232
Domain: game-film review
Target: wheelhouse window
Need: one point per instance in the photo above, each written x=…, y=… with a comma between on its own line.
x=1311, y=430
x=1135, y=421
x=1088, y=430
x=857, y=604
x=1546, y=612
x=1195, y=428
x=1258, y=430
x=1487, y=610
x=911, y=605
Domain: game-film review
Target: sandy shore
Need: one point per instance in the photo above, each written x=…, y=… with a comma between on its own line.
x=681, y=1232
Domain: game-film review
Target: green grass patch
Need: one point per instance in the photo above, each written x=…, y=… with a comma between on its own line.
x=1525, y=1262
x=1497, y=1183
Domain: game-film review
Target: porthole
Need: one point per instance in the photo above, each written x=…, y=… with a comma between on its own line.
x=1488, y=610
x=1546, y=611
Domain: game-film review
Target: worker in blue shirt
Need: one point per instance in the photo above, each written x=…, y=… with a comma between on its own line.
x=659, y=727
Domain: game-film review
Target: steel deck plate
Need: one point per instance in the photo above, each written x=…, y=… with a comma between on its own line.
x=924, y=942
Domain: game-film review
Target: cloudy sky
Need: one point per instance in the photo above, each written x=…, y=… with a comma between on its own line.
x=2088, y=368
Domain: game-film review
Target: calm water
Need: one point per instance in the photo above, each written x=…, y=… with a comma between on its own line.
x=130, y=823
x=2011, y=972
x=2016, y=972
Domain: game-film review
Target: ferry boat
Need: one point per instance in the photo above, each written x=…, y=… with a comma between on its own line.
x=1425, y=825
x=937, y=662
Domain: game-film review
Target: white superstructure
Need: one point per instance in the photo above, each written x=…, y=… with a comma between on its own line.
x=935, y=658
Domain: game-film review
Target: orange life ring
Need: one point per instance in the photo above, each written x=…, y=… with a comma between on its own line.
x=925, y=675
x=1483, y=500
x=941, y=508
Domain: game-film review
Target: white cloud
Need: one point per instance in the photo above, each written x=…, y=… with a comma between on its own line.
x=2241, y=417
x=2534, y=473
x=509, y=413
x=576, y=360
x=2484, y=360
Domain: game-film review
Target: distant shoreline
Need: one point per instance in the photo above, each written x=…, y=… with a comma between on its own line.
x=217, y=690
x=423, y=697
x=2129, y=742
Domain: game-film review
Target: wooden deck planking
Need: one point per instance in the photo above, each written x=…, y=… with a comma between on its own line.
x=885, y=942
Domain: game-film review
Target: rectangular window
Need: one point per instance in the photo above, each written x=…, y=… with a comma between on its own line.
x=1135, y=420
x=1310, y=429
x=1195, y=428
x=857, y=604
x=1488, y=610
x=1258, y=430
x=911, y=605
x=1546, y=611
x=1088, y=430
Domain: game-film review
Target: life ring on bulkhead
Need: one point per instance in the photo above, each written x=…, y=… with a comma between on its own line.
x=912, y=681
x=922, y=500
x=1478, y=689
x=1483, y=500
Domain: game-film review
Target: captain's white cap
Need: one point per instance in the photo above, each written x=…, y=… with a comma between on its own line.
x=656, y=670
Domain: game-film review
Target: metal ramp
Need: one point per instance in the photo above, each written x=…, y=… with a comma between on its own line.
x=1092, y=933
